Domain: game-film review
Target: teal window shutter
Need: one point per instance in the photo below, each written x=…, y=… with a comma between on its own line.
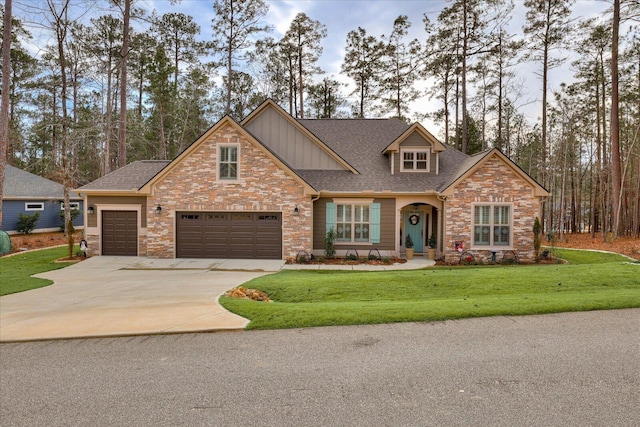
x=331, y=216
x=375, y=223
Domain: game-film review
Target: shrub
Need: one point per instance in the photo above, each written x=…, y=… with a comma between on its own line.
x=352, y=257
x=27, y=222
x=330, y=244
x=537, y=238
x=408, y=242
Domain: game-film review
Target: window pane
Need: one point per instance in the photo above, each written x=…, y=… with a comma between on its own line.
x=347, y=212
x=233, y=170
x=481, y=215
x=501, y=236
x=421, y=165
x=501, y=215
x=224, y=170
x=224, y=154
x=421, y=156
x=234, y=154
x=481, y=235
x=408, y=155
x=408, y=165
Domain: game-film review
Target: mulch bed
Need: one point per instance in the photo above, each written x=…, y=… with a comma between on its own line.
x=244, y=293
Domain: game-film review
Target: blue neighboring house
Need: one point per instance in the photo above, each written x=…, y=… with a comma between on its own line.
x=24, y=192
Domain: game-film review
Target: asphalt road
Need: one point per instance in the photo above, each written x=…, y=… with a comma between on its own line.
x=577, y=369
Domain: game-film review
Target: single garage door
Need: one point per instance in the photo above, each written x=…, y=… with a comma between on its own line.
x=249, y=235
x=120, y=233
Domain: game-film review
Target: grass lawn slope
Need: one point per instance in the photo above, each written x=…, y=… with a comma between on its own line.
x=590, y=281
x=16, y=270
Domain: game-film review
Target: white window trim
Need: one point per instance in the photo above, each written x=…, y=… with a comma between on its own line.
x=72, y=205
x=353, y=203
x=491, y=246
x=415, y=150
x=33, y=209
x=218, y=149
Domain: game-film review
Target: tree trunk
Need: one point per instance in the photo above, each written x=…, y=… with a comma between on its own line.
x=616, y=166
x=4, y=109
x=465, y=139
x=122, y=134
x=227, y=109
x=61, y=23
x=301, y=88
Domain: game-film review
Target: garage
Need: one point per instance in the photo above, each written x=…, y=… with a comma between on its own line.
x=247, y=235
x=120, y=233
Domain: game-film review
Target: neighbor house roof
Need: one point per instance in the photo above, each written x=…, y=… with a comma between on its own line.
x=129, y=178
x=20, y=184
x=361, y=142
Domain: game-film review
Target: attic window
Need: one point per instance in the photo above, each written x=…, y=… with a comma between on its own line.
x=228, y=162
x=34, y=206
x=72, y=206
x=415, y=160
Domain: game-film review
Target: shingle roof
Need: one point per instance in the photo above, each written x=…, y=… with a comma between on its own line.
x=20, y=184
x=130, y=177
x=360, y=142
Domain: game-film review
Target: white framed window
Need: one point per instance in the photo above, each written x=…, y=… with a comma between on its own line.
x=415, y=160
x=72, y=205
x=492, y=226
x=352, y=223
x=34, y=206
x=228, y=163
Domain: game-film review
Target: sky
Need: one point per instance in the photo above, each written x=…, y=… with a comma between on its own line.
x=376, y=17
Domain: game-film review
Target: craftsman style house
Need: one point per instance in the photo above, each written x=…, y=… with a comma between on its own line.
x=272, y=186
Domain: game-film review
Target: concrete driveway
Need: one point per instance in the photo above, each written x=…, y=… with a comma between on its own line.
x=113, y=296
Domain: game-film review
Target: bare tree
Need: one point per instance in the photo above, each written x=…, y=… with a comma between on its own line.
x=60, y=22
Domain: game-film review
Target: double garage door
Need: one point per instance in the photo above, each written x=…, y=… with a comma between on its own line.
x=249, y=235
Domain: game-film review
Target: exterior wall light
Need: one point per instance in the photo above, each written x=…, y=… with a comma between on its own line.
x=296, y=211
x=90, y=210
x=159, y=209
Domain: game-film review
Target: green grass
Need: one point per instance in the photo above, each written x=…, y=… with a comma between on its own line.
x=590, y=281
x=15, y=271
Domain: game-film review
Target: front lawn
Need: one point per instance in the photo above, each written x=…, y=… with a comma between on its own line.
x=591, y=281
x=15, y=271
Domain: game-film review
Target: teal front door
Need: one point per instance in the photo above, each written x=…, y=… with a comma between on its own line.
x=413, y=225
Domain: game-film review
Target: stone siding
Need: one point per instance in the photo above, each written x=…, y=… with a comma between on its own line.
x=494, y=182
x=192, y=186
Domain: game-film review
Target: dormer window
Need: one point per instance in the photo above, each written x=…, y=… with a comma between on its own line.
x=415, y=160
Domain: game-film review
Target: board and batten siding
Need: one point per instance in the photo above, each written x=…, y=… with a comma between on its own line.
x=415, y=141
x=387, y=226
x=92, y=220
x=291, y=144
